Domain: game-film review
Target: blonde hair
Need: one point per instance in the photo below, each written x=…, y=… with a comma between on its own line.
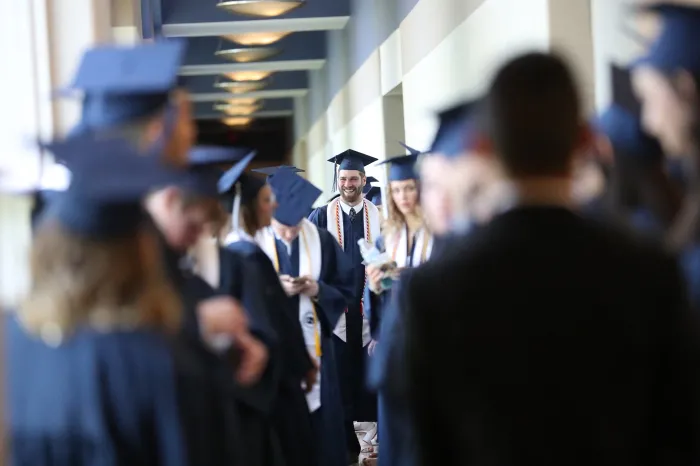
x=107, y=284
x=395, y=220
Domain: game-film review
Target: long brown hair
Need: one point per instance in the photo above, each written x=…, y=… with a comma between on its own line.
x=395, y=220
x=108, y=284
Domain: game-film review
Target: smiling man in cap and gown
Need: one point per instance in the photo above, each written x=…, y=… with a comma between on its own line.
x=349, y=219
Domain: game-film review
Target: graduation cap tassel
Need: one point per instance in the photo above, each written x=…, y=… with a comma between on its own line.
x=235, y=214
x=335, y=175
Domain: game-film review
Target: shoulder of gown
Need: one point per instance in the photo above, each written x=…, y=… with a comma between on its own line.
x=99, y=398
x=319, y=217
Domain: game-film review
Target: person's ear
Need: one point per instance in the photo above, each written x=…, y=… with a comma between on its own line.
x=685, y=86
x=172, y=198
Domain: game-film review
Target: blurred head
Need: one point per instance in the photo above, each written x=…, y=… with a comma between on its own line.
x=256, y=213
x=404, y=198
x=181, y=216
x=149, y=130
x=285, y=232
x=669, y=107
x=350, y=184
x=532, y=116
x=436, y=201
x=104, y=283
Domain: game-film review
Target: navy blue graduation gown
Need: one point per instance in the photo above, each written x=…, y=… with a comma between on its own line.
x=359, y=404
x=386, y=375
x=261, y=291
x=335, y=286
x=99, y=399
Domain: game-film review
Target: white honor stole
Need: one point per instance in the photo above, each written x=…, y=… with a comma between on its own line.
x=265, y=238
x=397, y=246
x=423, y=247
x=372, y=222
x=310, y=264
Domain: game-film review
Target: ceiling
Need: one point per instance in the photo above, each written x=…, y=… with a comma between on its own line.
x=207, y=75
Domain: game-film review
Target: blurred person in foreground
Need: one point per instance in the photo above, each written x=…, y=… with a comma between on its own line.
x=578, y=342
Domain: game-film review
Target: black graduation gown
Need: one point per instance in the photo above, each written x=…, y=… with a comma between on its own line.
x=205, y=380
x=99, y=399
x=261, y=291
x=335, y=288
x=256, y=402
x=359, y=403
x=601, y=368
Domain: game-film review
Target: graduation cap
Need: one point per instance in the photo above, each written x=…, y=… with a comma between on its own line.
x=295, y=196
x=121, y=84
x=349, y=160
x=109, y=180
x=410, y=149
x=368, y=185
x=455, y=130
x=624, y=130
x=236, y=186
x=374, y=195
x=217, y=155
x=270, y=171
x=199, y=177
x=402, y=167
x=676, y=47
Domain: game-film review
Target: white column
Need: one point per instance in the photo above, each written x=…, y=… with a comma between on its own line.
x=126, y=21
x=611, y=22
x=570, y=33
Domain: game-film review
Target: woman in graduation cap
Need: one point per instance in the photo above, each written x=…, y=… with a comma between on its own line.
x=318, y=280
x=91, y=379
x=252, y=202
x=406, y=239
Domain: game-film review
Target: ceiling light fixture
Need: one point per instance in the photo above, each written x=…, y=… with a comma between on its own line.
x=237, y=109
x=260, y=8
x=247, y=54
x=242, y=87
x=237, y=121
x=248, y=75
x=256, y=38
x=240, y=101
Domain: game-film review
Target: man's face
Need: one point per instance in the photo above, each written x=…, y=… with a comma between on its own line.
x=286, y=233
x=350, y=184
x=182, y=223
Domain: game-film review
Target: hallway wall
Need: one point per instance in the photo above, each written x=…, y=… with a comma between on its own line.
x=441, y=52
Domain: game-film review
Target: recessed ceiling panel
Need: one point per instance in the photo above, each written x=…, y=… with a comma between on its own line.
x=198, y=11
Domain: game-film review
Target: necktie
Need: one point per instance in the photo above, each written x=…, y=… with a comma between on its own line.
x=352, y=213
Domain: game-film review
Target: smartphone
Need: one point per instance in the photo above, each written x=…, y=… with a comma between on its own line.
x=298, y=280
